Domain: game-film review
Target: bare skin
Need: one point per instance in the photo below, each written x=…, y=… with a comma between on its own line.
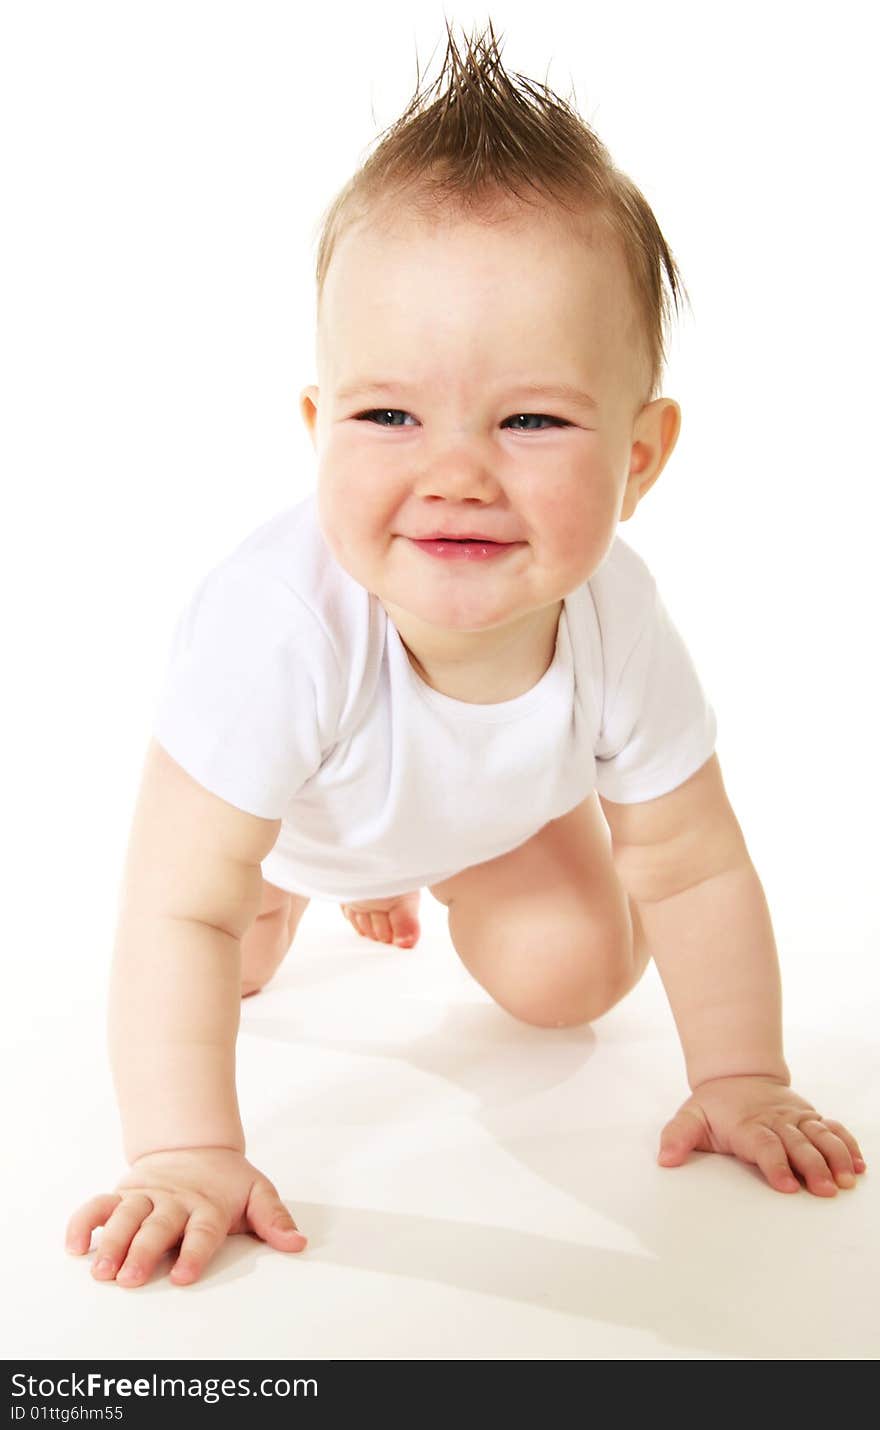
x=193, y=1195
x=268, y=942
x=387, y=920
x=558, y=892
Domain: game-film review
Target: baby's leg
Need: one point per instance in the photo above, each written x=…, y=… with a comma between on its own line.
x=269, y=936
x=548, y=929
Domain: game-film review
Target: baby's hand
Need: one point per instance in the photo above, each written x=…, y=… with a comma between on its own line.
x=761, y=1120
x=197, y=1196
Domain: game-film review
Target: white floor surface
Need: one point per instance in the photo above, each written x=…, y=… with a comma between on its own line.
x=472, y=1187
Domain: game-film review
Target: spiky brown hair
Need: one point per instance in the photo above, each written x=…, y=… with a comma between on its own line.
x=489, y=138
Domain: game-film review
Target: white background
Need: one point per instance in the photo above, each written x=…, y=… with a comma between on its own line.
x=164, y=169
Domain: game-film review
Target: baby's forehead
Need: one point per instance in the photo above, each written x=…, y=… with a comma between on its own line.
x=531, y=253
x=578, y=268
x=392, y=272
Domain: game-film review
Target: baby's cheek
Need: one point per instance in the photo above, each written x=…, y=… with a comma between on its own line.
x=581, y=535
x=335, y=521
x=354, y=522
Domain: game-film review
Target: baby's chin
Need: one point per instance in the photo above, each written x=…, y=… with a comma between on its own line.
x=434, y=615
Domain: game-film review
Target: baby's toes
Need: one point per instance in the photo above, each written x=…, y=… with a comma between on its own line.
x=398, y=924
x=381, y=927
x=359, y=922
x=405, y=927
x=369, y=924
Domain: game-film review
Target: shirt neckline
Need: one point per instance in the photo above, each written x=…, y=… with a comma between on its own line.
x=503, y=710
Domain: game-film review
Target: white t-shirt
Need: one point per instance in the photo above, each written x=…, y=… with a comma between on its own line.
x=289, y=693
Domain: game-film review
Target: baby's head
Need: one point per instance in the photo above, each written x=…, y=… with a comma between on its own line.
x=486, y=249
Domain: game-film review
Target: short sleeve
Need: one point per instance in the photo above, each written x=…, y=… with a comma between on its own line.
x=238, y=705
x=658, y=726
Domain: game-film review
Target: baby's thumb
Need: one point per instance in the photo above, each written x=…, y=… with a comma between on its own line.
x=680, y=1136
x=271, y=1220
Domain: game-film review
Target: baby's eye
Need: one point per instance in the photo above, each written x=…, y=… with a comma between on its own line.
x=382, y=412
x=378, y=412
x=539, y=417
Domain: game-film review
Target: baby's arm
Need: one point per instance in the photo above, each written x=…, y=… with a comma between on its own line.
x=683, y=860
x=191, y=889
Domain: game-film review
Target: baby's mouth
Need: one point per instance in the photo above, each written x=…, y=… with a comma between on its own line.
x=472, y=550
x=470, y=540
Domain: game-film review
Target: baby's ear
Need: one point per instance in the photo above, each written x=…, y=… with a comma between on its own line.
x=655, y=433
x=308, y=406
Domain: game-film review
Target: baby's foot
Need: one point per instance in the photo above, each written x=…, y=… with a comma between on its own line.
x=387, y=920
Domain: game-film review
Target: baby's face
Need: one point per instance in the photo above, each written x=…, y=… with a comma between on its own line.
x=423, y=422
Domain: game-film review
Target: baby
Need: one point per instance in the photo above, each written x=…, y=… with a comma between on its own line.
x=446, y=670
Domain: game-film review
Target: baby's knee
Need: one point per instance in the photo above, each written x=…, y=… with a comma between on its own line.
x=541, y=1011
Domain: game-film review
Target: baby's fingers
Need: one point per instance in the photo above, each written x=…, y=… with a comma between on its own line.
x=271, y=1220
x=205, y=1233
x=820, y=1154
x=78, y=1236
x=159, y=1231
x=119, y=1228
x=762, y=1146
x=781, y=1153
x=840, y=1162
